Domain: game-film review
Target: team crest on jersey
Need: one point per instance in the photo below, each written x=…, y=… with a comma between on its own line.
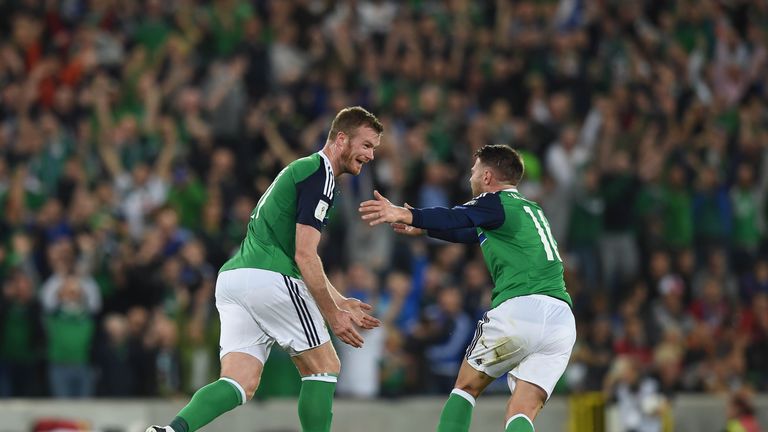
x=321, y=210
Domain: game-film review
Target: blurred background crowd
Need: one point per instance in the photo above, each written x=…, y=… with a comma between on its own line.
x=137, y=135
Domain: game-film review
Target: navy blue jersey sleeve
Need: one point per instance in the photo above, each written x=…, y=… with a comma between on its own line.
x=314, y=197
x=461, y=235
x=485, y=211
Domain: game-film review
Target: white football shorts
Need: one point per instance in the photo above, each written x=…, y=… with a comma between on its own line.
x=260, y=307
x=530, y=337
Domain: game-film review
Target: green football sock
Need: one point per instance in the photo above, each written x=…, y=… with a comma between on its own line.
x=208, y=403
x=316, y=402
x=457, y=412
x=519, y=423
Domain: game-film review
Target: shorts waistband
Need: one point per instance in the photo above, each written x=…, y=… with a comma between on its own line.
x=545, y=299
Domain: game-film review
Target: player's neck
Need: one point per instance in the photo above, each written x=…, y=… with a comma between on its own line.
x=329, y=155
x=500, y=187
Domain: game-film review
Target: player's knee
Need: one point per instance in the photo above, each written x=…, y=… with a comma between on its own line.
x=470, y=387
x=331, y=363
x=250, y=385
x=334, y=365
x=527, y=406
x=244, y=369
x=528, y=403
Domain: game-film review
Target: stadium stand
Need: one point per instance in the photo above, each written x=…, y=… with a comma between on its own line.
x=136, y=137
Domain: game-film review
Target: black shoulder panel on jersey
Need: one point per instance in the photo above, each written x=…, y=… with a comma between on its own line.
x=314, y=197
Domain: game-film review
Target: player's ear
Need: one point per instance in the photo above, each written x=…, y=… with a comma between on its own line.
x=340, y=138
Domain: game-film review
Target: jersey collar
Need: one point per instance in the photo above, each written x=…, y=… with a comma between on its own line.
x=512, y=189
x=327, y=162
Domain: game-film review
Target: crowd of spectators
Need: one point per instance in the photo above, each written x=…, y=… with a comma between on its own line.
x=137, y=135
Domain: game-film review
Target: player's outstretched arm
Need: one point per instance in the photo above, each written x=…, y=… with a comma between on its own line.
x=484, y=211
x=381, y=210
x=342, y=322
x=408, y=230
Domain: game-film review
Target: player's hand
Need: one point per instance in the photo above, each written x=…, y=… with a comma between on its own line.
x=359, y=311
x=406, y=229
x=343, y=326
x=381, y=210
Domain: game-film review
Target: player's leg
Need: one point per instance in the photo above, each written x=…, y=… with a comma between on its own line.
x=240, y=375
x=244, y=350
x=303, y=334
x=534, y=378
x=457, y=411
x=524, y=405
x=291, y=316
x=319, y=368
x=490, y=355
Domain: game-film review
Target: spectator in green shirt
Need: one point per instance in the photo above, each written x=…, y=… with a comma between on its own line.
x=187, y=196
x=678, y=214
x=746, y=232
x=586, y=226
x=70, y=334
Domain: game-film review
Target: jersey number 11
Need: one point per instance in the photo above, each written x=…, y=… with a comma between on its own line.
x=542, y=226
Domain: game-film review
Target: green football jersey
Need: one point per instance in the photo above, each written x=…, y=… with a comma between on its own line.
x=517, y=243
x=302, y=193
x=522, y=254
